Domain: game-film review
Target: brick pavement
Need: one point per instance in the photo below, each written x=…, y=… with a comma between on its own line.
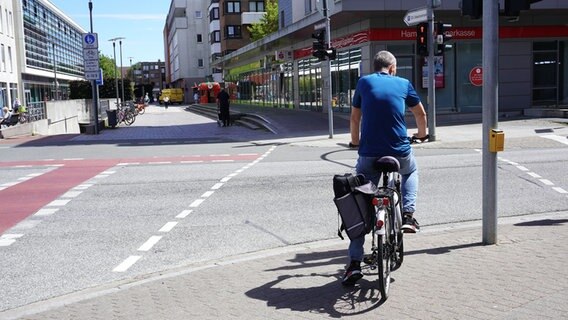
x=447, y=274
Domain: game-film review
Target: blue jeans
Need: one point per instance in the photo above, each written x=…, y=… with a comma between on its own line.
x=409, y=189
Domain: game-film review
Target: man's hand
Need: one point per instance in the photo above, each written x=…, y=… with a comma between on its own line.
x=353, y=146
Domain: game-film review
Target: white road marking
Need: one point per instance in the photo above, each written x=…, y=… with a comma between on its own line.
x=127, y=263
x=557, y=138
x=191, y=161
x=225, y=179
x=72, y=159
x=46, y=211
x=196, y=203
x=27, y=224
x=559, y=190
x=168, y=226
x=58, y=202
x=149, y=243
x=71, y=194
x=534, y=175
x=83, y=186
x=184, y=214
x=8, y=239
x=216, y=186
x=108, y=172
x=100, y=176
x=207, y=194
x=24, y=178
x=222, y=160
x=547, y=182
x=522, y=168
x=160, y=162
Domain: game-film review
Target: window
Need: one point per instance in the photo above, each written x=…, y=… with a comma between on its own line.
x=232, y=31
x=308, y=6
x=232, y=7
x=1, y=21
x=214, y=14
x=199, y=38
x=198, y=14
x=10, y=63
x=256, y=6
x=3, y=59
x=216, y=36
x=200, y=63
x=282, y=19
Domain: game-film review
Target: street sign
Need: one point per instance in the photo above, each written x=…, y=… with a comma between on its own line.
x=416, y=16
x=92, y=75
x=476, y=76
x=90, y=41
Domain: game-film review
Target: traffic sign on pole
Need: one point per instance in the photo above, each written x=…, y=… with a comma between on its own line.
x=416, y=16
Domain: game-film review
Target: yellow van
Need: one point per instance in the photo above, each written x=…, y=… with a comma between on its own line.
x=175, y=95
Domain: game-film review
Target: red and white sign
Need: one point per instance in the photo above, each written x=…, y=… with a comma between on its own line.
x=476, y=76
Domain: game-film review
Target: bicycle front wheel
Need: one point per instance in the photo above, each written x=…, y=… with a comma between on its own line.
x=129, y=118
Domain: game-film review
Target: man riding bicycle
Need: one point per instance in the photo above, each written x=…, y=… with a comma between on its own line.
x=379, y=109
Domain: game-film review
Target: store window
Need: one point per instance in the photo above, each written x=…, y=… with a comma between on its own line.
x=345, y=72
x=468, y=95
x=549, y=74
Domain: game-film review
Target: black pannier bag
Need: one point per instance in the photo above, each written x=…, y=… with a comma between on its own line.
x=353, y=199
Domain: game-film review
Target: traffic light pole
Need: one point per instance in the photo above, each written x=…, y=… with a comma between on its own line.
x=431, y=76
x=327, y=81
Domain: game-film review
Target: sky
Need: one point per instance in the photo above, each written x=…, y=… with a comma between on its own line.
x=140, y=22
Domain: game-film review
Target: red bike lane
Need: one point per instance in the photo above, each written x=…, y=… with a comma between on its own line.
x=26, y=198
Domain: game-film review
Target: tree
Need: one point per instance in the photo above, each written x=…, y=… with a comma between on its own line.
x=108, y=66
x=268, y=23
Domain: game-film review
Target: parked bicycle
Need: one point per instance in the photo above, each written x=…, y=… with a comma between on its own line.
x=125, y=113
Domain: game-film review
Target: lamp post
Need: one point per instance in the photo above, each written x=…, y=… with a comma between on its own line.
x=95, y=90
x=115, y=67
x=121, y=77
x=132, y=76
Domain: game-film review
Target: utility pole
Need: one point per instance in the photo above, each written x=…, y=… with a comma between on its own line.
x=327, y=79
x=95, y=90
x=489, y=108
x=431, y=77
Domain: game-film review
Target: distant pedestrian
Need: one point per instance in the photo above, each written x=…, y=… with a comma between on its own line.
x=146, y=98
x=223, y=105
x=196, y=97
x=16, y=105
x=166, y=101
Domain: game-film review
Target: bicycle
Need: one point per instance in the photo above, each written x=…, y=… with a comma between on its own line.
x=125, y=114
x=387, y=246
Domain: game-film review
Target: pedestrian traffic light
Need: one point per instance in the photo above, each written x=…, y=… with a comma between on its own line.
x=472, y=8
x=318, y=45
x=513, y=7
x=422, y=39
x=442, y=36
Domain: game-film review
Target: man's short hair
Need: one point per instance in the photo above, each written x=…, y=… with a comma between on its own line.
x=383, y=60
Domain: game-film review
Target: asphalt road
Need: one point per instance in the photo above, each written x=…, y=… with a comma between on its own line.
x=164, y=204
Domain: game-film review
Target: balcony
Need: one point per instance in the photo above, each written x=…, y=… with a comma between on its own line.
x=249, y=18
x=179, y=7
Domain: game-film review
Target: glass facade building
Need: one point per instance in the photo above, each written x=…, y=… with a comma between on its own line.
x=53, y=51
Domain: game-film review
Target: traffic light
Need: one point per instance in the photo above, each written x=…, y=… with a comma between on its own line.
x=473, y=8
x=319, y=46
x=513, y=7
x=442, y=36
x=320, y=49
x=422, y=39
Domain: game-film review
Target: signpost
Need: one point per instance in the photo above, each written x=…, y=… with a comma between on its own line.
x=416, y=16
x=91, y=55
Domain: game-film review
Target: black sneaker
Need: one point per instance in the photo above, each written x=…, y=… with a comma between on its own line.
x=352, y=274
x=409, y=224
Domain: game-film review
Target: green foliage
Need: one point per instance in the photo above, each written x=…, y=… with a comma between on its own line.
x=268, y=23
x=82, y=89
x=108, y=66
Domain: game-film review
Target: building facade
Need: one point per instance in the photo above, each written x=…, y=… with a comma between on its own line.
x=150, y=73
x=9, y=70
x=49, y=50
x=279, y=70
x=186, y=43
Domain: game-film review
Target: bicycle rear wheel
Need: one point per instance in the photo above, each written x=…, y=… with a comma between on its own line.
x=129, y=118
x=384, y=256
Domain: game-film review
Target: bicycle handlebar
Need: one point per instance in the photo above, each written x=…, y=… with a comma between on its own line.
x=415, y=139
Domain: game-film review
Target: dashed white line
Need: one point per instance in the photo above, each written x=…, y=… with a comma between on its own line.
x=71, y=194
x=127, y=263
x=547, y=182
x=83, y=186
x=184, y=214
x=191, y=161
x=222, y=160
x=559, y=190
x=168, y=226
x=207, y=194
x=522, y=168
x=58, y=203
x=534, y=175
x=8, y=239
x=196, y=203
x=46, y=211
x=216, y=186
x=225, y=179
x=160, y=162
x=73, y=159
x=150, y=243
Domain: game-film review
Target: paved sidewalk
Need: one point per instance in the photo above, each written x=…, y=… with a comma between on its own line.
x=447, y=274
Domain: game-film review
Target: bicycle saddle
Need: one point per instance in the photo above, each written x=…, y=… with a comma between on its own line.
x=387, y=164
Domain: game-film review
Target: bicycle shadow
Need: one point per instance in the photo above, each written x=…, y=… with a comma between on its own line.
x=314, y=288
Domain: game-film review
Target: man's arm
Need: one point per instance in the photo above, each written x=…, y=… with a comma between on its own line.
x=420, y=117
x=355, y=125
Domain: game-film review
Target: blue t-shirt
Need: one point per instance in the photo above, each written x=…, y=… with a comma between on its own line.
x=382, y=99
